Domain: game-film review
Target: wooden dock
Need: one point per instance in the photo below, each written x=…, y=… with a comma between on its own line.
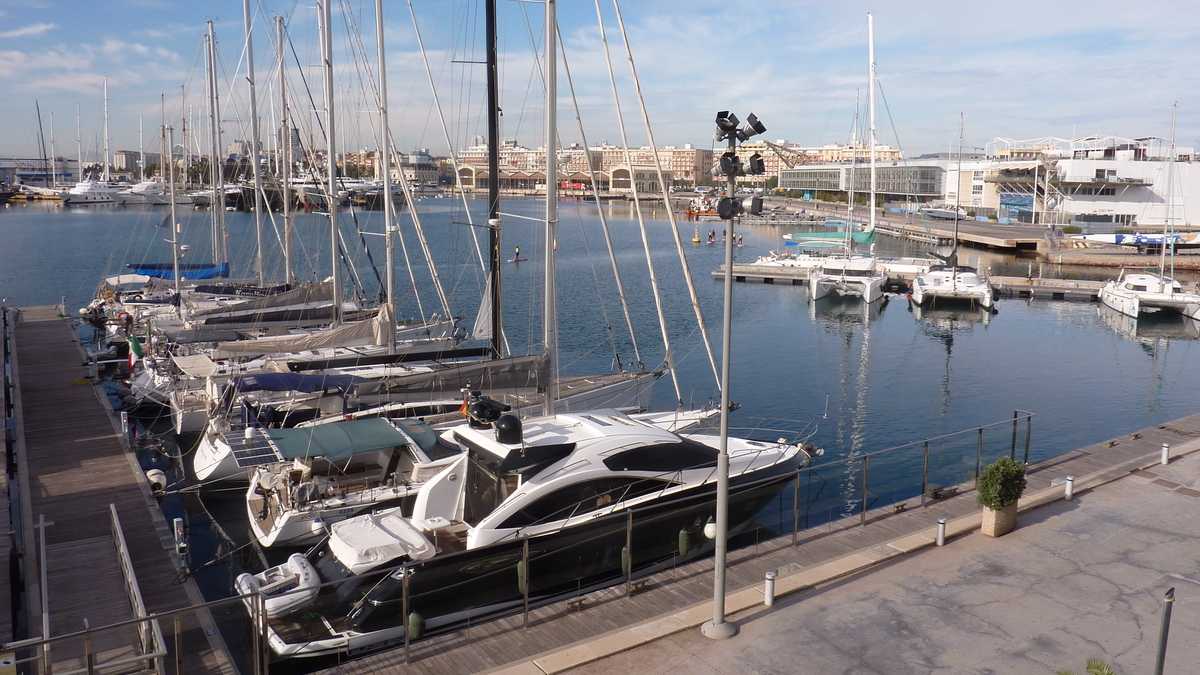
x=1053, y=289
x=504, y=642
x=88, y=513
x=899, y=275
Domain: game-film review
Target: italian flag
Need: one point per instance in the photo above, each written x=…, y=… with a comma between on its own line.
x=135, y=351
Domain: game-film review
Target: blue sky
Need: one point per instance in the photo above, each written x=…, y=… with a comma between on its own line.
x=1019, y=69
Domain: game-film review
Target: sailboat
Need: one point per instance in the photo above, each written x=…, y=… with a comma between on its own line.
x=559, y=487
x=951, y=281
x=850, y=275
x=1148, y=292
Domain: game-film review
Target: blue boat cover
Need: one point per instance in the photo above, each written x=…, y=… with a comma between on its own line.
x=295, y=382
x=188, y=271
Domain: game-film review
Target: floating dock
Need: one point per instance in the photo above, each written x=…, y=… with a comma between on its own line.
x=97, y=556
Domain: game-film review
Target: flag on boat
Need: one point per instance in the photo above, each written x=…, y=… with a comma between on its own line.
x=135, y=351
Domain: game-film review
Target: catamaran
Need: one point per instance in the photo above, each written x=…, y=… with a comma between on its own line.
x=850, y=275
x=1134, y=294
x=951, y=281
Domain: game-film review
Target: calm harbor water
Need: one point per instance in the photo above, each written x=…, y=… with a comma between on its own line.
x=858, y=379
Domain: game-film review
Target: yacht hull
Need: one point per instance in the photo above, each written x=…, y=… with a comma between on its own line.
x=482, y=583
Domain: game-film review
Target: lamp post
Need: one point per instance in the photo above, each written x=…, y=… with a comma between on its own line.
x=729, y=208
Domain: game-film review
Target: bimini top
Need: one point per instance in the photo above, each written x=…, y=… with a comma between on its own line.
x=341, y=439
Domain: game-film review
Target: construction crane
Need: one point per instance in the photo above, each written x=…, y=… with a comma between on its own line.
x=783, y=154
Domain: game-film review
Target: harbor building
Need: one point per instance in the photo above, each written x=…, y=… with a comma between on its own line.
x=681, y=165
x=127, y=160
x=1095, y=181
x=38, y=171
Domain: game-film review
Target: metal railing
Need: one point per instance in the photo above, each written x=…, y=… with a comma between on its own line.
x=152, y=646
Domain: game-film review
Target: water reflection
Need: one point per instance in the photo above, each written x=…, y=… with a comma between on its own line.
x=1150, y=330
x=850, y=319
x=941, y=325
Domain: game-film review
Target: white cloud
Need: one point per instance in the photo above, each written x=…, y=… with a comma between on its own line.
x=29, y=31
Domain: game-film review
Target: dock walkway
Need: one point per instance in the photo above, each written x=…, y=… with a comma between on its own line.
x=73, y=465
x=568, y=633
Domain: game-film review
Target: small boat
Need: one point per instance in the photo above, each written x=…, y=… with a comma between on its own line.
x=853, y=276
x=952, y=283
x=1145, y=293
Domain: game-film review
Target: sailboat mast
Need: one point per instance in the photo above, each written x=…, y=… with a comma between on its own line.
x=1162, y=262
x=220, y=241
x=78, y=147
x=254, y=144
x=53, y=156
x=106, y=155
x=853, y=176
x=385, y=165
x=962, y=121
x=285, y=177
x=141, y=152
x=871, y=108
x=331, y=155
x=170, y=167
x=549, y=327
x=183, y=137
x=493, y=120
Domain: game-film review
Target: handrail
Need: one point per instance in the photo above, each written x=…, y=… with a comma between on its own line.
x=152, y=641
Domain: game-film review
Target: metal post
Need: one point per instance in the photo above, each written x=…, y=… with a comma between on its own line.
x=769, y=588
x=255, y=634
x=264, y=641
x=628, y=561
x=718, y=628
x=178, y=646
x=404, y=610
x=924, y=472
x=796, y=509
x=89, y=659
x=1012, y=453
x=525, y=590
x=978, y=457
x=1028, y=434
x=1069, y=488
x=1166, y=454
x=1163, y=630
x=865, y=476
x=45, y=592
x=941, y=532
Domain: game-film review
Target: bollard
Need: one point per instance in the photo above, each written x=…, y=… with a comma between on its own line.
x=1069, y=486
x=941, y=532
x=125, y=423
x=248, y=434
x=181, y=543
x=1164, y=630
x=769, y=589
x=1166, y=454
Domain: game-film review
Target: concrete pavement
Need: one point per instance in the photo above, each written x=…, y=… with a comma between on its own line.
x=1078, y=580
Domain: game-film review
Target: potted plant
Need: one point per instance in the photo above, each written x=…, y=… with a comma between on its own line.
x=1000, y=487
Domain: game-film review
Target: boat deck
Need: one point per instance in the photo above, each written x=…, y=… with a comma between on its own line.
x=74, y=463
x=540, y=647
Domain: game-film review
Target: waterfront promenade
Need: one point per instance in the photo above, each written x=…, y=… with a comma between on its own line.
x=1078, y=580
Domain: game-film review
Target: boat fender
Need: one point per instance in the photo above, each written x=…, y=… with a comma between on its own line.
x=685, y=542
x=416, y=626
x=157, y=479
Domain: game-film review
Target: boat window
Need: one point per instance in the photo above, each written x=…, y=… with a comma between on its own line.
x=850, y=273
x=664, y=457
x=581, y=498
x=1135, y=287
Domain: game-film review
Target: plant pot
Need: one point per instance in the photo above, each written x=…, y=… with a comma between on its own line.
x=999, y=522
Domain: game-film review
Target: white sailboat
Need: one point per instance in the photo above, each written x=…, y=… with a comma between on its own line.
x=1148, y=292
x=951, y=281
x=850, y=275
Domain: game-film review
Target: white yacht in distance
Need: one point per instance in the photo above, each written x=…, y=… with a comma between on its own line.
x=151, y=192
x=91, y=192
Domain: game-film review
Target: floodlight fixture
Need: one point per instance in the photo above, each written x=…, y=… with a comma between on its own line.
x=756, y=165
x=731, y=164
x=727, y=123
x=757, y=126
